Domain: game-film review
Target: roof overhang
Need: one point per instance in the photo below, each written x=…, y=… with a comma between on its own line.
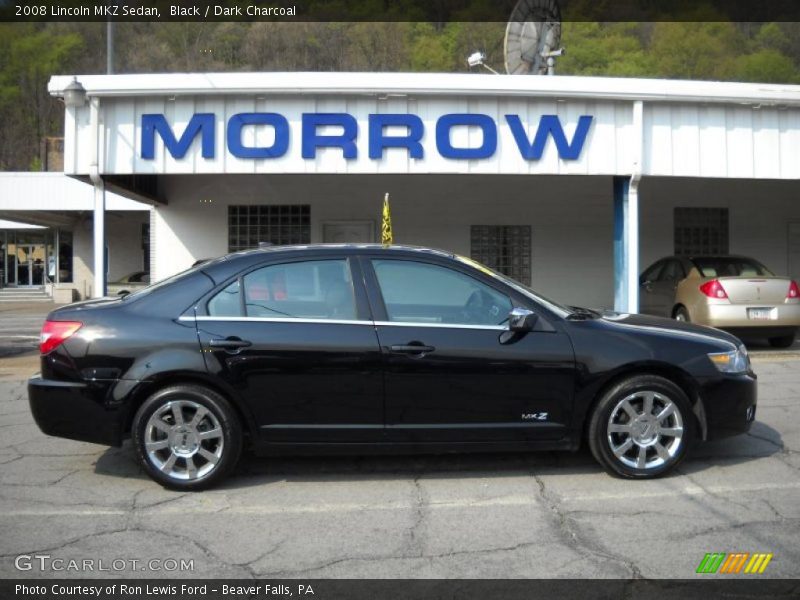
x=390, y=85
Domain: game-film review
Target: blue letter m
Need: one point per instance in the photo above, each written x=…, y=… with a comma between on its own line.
x=202, y=123
x=550, y=125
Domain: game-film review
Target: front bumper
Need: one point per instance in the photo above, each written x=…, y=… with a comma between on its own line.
x=729, y=403
x=76, y=410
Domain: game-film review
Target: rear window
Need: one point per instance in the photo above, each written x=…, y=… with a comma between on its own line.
x=724, y=266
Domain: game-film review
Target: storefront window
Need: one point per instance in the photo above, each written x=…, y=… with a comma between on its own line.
x=248, y=226
x=65, y=256
x=701, y=231
x=504, y=248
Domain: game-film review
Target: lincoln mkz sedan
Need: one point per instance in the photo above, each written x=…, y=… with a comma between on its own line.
x=365, y=348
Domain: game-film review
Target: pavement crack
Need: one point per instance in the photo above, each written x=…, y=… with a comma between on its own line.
x=778, y=444
x=428, y=557
x=734, y=527
x=581, y=544
x=709, y=491
x=69, y=542
x=248, y=565
x=415, y=542
x=775, y=511
x=147, y=507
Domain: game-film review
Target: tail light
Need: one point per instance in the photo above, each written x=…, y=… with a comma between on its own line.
x=794, y=291
x=54, y=333
x=714, y=289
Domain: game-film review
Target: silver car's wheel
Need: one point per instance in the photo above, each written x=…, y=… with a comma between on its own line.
x=187, y=437
x=183, y=440
x=645, y=430
x=641, y=427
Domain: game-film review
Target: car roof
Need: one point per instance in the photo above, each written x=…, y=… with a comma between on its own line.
x=719, y=256
x=224, y=266
x=706, y=257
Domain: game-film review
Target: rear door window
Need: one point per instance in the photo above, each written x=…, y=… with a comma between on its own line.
x=321, y=289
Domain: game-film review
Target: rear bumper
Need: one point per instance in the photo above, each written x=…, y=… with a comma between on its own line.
x=785, y=317
x=730, y=404
x=76, y=410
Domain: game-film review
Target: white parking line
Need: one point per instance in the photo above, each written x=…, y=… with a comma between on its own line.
x=508, y=500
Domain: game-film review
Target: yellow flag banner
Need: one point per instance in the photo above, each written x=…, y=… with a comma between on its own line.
x=386, y=223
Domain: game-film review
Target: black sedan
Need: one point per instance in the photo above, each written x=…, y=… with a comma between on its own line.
x=368, y=348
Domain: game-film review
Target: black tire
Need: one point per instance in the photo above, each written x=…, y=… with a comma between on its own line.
x=783, y=341
x=217, y=434
x=681, y=314
x=635, y=389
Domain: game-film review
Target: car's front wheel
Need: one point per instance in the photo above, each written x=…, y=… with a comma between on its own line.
x=642, y=427
x=187, y=437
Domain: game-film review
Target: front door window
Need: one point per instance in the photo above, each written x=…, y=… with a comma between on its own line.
x=416, y=292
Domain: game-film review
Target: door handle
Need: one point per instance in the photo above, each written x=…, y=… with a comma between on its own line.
x=411, y=348
x=231, y=343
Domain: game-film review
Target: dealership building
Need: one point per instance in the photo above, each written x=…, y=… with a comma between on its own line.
x=570, y=184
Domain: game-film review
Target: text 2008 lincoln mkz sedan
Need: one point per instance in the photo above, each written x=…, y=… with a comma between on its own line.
x=370, y=348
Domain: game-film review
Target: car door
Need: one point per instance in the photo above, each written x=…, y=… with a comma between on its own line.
x=665, y=287
x=295, y=339
x=453, y=371
x=648, y=300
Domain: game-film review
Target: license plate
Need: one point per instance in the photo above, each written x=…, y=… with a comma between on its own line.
x=760, y=314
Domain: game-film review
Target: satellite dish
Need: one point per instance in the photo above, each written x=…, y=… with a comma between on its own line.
x=533, y=37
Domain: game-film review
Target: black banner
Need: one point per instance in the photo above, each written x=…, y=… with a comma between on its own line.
x=739, y=587
x=434, y=11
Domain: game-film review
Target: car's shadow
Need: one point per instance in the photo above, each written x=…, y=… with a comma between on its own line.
x=762, y=345
x=762, y=441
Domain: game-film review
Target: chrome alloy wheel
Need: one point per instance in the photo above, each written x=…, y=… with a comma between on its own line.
x=183, y=439
x=645, y=430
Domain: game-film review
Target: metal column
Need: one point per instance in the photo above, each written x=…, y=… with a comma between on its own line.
x=626, y=245
x=99, y=217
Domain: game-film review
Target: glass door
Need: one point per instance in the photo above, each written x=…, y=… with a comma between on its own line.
x=31, y=262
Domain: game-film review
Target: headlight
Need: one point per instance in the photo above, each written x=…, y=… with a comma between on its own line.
x=735, y=361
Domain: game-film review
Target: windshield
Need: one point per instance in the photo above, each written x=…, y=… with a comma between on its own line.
x=555, y=307
x=730, y=266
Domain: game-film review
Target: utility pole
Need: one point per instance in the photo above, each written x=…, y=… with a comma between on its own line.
x=110, y=47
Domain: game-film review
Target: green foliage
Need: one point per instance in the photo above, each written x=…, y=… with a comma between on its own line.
x=614, y=50
x=766, y=65
x=29, y=55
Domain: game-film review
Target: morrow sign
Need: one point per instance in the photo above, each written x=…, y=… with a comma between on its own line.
x=203, y=125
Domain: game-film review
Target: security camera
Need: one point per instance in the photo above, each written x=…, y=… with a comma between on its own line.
x=476, y=59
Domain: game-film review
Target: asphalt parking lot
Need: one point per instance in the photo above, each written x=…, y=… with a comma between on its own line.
x=463, y=516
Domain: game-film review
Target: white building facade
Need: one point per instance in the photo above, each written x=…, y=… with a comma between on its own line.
x=571, y=184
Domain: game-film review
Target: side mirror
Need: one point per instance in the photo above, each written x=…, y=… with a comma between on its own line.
x=521, y=319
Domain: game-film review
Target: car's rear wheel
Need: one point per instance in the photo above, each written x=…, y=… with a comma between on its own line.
x=642, y=427
x=783, y=341
x=681, y=314
x=187, y=437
